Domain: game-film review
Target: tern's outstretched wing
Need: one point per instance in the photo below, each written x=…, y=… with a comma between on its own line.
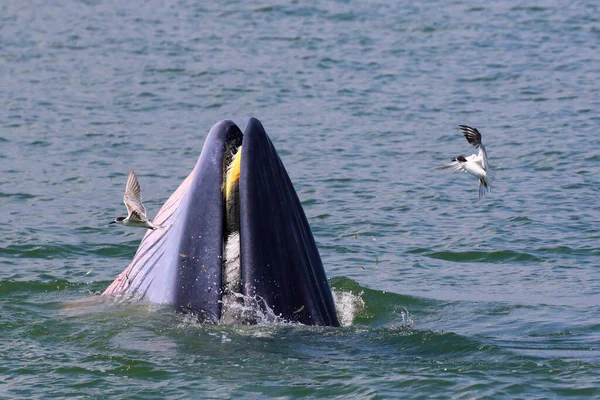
x=474, y=137
x=133, y=196
x=471, y=134
x=454, y=166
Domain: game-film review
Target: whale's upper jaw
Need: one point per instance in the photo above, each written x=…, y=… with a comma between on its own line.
x=182, y=264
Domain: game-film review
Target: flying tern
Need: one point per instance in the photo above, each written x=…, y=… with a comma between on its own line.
x=475, y=164
x=133, y=201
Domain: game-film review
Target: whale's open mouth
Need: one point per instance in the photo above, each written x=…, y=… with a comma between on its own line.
x=234, y=232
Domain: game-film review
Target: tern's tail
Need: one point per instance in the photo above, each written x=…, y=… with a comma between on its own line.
x=484, y=186
x=154, y=226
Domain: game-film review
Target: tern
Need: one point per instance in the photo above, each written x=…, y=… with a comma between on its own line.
x=475, y=164
x=133, y=201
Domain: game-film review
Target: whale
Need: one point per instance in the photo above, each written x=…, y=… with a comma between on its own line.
x=234, y=237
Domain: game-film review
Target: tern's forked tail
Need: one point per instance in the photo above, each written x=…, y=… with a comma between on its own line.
x=484, y=187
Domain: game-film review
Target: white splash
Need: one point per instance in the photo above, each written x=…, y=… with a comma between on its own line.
x=347, y=305
x=249, y=310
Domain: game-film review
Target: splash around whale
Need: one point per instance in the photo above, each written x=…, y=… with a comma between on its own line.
x=234, y=238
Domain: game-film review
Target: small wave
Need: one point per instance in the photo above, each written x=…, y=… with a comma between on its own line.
x=66, y=250
x=521, y=219
x=558, y=250
x=37, y=251
x=40, y=143
x=22, y=196
x=477, y=256
x=439, y=343
x=530, y=9
x=14, y=286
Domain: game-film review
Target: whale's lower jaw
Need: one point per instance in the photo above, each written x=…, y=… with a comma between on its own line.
x=192, y=262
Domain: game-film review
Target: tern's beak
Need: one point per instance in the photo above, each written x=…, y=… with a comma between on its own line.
x=112, y=222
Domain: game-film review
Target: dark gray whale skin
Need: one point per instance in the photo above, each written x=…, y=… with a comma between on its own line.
x=181, y=264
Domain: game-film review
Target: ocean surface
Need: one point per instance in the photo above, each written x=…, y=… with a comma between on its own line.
x=441, y=294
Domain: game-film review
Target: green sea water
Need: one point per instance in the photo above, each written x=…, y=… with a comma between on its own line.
x=441, y=294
